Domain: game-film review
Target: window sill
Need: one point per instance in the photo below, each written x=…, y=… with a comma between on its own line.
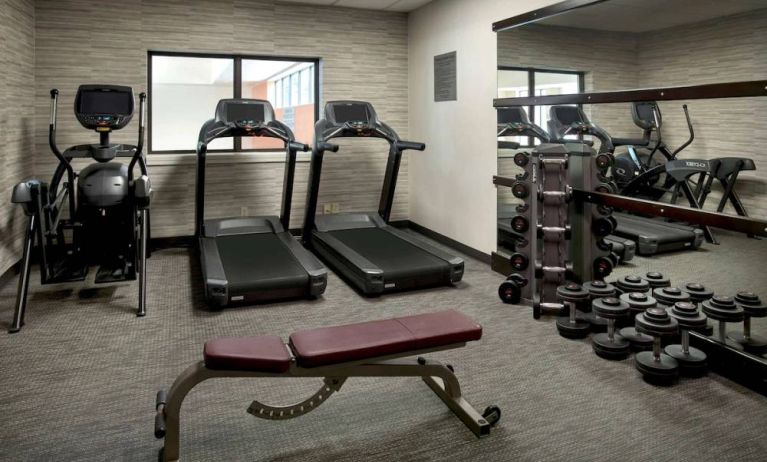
x=159, y=160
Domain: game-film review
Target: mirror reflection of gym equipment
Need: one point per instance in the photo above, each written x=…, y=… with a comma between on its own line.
x=391, y=230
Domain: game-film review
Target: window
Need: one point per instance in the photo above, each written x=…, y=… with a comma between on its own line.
x=185, y=88
x=519, y=82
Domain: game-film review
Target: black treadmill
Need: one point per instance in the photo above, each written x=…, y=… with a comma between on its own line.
x=252, y=259
x=363, y=248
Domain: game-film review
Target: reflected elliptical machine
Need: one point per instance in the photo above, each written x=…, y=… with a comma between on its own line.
x=363, y=247
x=252, y=259
x=98, y=216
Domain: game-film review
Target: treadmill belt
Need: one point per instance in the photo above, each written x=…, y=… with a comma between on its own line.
x=397, y=258
x=259, y=261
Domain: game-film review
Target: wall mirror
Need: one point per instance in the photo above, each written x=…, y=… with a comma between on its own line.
x=620, y=45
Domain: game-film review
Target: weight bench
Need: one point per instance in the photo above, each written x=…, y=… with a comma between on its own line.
x=368, y=349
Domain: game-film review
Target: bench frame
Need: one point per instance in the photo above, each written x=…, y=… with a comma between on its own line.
x=439, y=377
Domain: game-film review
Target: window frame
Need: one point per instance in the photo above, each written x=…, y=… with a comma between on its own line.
x=236, y=91
x=531, y=71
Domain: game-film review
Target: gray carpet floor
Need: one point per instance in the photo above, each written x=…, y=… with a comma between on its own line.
x=78, y=383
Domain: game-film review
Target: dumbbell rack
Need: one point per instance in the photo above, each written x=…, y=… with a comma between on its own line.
x=549, y=221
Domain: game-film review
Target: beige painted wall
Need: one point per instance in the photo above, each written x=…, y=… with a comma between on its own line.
x=451, y=189
x=17, y=87
x=364, y=56
x=725, y=49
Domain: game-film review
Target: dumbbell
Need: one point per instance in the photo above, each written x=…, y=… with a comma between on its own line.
x=597, y=289
x=656, y=366
x=610, y=345
x=631, y=283
x=752, y=308
x=724, y=310
x=692, y=361
x=510, y=290
x=570, y=326
x=699, y=293
x=668, y=296
x=656, y=279
x=638, y=303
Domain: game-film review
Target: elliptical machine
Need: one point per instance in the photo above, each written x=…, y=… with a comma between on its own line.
x=98, y=216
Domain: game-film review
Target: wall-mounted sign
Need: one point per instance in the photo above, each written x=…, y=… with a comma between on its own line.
x=289, y=117
x=445, y=77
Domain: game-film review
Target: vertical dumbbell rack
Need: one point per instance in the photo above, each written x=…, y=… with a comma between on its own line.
x=552, y=228
x=549, y=221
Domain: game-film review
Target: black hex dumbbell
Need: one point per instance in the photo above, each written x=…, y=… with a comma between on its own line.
x=610, y=345
x=510, y=290
x=724, y=310
x=655, y=365
x=698, y=294
x=570, y=326
x=692, y=361
x=597, y=289
x=668, y=296
x=752, y=308
x=638, y=303
x=656, y=279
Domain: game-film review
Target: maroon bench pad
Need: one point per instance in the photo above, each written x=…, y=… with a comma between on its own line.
x=355, y=342
x=265, y=353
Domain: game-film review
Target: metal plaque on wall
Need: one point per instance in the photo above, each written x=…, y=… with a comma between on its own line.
x=445, y=77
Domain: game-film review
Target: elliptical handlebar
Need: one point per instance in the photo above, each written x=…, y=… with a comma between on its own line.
x=140, y=145
x=690, y=129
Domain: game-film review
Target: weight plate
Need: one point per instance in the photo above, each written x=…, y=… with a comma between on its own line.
x=723, y=309
x=697, y=292
x=662, y=370
x=615, y=349
x=571, y=292
x=632, y=284
x=638, y=341
x=754, y=344
x=656, y=279
x=751, y=304
x=572, y=330
x=657, y=322
x=669, y=295
x=598, y=289
x=692, y=364
x=687, y=315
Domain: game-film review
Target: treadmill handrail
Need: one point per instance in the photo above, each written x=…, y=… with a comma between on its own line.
x=325, y=131
x=214, y=129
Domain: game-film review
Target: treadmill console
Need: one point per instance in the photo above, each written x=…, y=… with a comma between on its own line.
x=247, y=115
x=358, y=117
x=104, y=107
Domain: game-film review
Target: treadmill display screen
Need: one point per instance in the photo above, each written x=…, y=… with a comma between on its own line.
x=236, y=112
x=105, y=102
x=509, y=115
x=350, y=113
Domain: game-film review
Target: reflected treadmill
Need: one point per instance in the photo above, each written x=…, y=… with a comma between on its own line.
x=363, y=248
x=252, y=259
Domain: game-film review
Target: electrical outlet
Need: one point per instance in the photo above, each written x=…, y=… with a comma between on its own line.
x=327, y=209
x=243, y=211
x=334, y=207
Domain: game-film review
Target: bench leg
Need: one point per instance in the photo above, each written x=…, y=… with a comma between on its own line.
x=188, y=379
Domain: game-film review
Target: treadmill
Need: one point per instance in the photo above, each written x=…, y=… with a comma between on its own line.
x=363, y=248
x=252, y=259
x=651, y=236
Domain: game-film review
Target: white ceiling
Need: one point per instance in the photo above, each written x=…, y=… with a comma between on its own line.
x=649, y=15
x=385, y=5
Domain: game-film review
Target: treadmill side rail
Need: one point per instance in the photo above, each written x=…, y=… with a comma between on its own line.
x=318, y=275
x=216, y=284
x=365, y=275
x=456, y=263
